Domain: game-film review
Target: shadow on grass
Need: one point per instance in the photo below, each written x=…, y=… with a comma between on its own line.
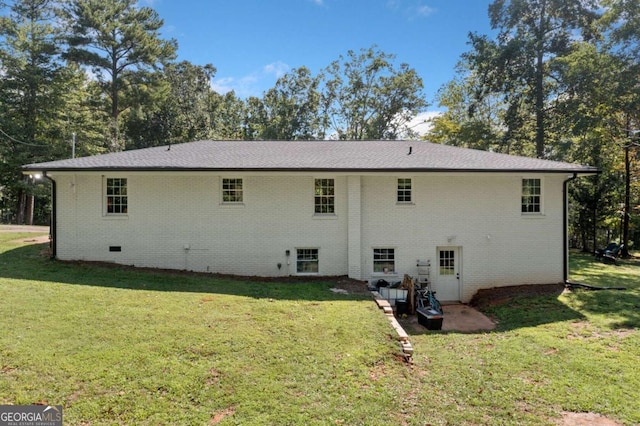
x=31, y=262
x=529, y=311
x=621, y=305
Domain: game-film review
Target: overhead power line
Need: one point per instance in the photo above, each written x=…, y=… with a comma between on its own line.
x=11, y=138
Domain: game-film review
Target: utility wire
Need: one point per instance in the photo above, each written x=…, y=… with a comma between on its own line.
x=21, y=142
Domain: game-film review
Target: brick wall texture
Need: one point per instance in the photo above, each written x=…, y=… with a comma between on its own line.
x=178, y=221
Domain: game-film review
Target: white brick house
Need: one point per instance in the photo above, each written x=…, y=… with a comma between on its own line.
x=369, y=210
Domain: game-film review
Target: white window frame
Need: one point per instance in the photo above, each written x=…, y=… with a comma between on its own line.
x=111, y=199
x=230, y=193
x=526, y=197
x=324, y=197
x=446, y=264
x=404, y=193
x=307, y=255
x=380, y=256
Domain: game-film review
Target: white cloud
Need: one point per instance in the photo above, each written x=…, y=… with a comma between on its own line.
x=318, y=2
x=421, y=123
x=243, y=86
x=424, y=10
x=276, y=68
x=393, y=4
x=253, y=84
x=411, y=9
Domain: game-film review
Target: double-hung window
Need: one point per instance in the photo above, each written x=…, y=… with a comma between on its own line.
x=116, y=198
x=404, y=190
x=531, y=196
x=384, y=260
x=232, y=191
x=307, y=261
x=324, y=201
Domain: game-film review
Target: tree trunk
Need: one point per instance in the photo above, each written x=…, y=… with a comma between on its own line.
x=627, y=203
x=539, y=83
x=22, y=204
x=115, y=142
x=594, y=229
x=30, y=208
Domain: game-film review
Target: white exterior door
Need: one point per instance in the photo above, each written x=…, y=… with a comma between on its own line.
x=448, y=280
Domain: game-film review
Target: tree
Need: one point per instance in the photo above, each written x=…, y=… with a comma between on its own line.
x=290, y=110
x=176, y=111
x=467, y=121
x=226, y=115
x=518, y=64
x=366, y=96
x=118, y=41
x=33, y=88
x=590, y=84
x=622, y=20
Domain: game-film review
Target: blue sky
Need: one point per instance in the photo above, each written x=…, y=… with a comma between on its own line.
x=253, y=42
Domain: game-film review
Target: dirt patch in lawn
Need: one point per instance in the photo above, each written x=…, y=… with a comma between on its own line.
x=352, y=286
x=585, y=419
x=40, y=239
x=499, y=295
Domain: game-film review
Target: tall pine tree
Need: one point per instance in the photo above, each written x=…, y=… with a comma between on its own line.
x=120, y=42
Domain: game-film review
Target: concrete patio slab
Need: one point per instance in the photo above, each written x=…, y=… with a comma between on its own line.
x=457, y=317
x=464, y=318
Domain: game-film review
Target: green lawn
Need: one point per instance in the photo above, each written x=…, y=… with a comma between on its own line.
x=115, y=346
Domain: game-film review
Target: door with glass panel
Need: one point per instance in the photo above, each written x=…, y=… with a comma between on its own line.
x=447, y=282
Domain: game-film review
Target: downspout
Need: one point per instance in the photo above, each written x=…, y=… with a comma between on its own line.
x=565, y=234
x=54, y=222
x=565, y=226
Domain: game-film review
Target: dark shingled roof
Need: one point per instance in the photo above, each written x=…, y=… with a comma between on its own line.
x=356, y=156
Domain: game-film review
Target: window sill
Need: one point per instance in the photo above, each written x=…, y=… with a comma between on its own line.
x=232, y=205
x=405, y=204
x=112, y=216
x=325, y=216
x=533, y=215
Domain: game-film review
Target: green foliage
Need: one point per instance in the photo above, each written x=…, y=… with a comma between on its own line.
x=518, y=65
x=468, y=122
x=117, y=40
x=291, y=110
x=362, y=96
x=366, y=96
x=38, y=93
x=173, y=107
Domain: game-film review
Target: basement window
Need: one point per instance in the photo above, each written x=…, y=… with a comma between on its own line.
x=384, y=260
x=307, y=261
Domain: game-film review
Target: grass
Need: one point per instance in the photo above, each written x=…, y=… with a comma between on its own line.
x=116, y=346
